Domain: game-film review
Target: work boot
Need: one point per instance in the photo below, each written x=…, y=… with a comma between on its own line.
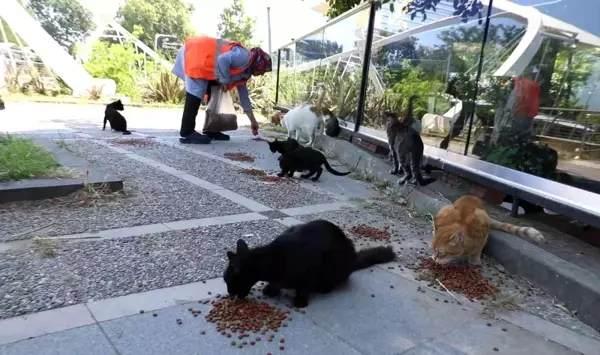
x=218, y=136
x=194, y=138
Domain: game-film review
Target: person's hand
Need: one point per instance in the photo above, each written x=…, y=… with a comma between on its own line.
x=254, y=127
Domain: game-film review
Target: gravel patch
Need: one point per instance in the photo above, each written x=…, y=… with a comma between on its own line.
x=150, y=196
x=277, y=196
x=93, y=270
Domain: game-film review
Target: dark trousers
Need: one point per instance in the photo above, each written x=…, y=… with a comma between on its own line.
x=190, y=111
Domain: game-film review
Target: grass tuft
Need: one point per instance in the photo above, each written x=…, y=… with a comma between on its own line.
x=20, y=159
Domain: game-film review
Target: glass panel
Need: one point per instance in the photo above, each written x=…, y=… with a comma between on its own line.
x=297, y=72
x=540, y=100
x=332, y=57
x=341, y=69
x=422, y=63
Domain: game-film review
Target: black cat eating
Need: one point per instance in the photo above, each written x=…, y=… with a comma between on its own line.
x=313, y=257
x=303, y=159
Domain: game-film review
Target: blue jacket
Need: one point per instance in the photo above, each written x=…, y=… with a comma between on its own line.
x=238, y=57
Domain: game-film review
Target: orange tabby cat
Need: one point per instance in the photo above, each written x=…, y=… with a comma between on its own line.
x=461, y=229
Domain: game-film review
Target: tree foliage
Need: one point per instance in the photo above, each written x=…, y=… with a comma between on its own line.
x=67, y=21
x=157, y=17
x=463, y=8
x=318, y=49
x=235, y=25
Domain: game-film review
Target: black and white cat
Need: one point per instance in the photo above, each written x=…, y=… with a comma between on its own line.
x=307, y=120
x=313, y=257
x=113, y=116
x=406, y=146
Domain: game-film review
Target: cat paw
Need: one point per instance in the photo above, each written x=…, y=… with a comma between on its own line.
x=281, y=174
x=475, y=261
x=394, y=172
x=271, y=290
x=315, y=179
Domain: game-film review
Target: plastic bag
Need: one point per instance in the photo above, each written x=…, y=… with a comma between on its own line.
x=220, y=112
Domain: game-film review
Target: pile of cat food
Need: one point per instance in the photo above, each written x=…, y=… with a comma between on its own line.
x=370, y=232
x=134, y=142
x=462, y=279
x=247, y=321
x=240, y=157
x=254, y=172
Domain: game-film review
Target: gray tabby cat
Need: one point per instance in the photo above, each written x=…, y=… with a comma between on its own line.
x=406, y=146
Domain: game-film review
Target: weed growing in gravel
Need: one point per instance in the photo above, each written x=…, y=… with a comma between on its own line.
x=45, y=247
x=20, y=158
x=98, y=195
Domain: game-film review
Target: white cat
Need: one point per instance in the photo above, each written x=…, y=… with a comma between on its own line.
x=305, y=120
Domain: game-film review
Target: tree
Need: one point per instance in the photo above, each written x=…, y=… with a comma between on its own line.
x=318, y=49
x=464, y=8
x=67, y=21
x=235, y=25
x=157, y=17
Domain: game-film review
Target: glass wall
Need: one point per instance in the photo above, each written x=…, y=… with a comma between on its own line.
x=411, y=56
x=333, y=57
x=539, y=96
x=531, y=87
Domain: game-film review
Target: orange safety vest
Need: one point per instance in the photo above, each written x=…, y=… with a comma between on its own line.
x=201, y=58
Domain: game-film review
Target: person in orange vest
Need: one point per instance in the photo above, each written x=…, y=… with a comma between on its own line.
x=204, y=61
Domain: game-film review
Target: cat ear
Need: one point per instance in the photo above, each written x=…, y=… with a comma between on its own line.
x=242, y=247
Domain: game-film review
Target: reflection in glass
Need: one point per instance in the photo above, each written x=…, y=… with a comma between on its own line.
x=332, y=57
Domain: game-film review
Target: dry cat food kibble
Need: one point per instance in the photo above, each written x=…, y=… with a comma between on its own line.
x=134, y=142
x=254, y=172
x=242, y=317
x=370, y=232
x=461, y=278
x=239, y=157
x=271, y=179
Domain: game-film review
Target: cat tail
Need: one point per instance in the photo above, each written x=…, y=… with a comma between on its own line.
x=527, y=232
x=373, y=256
x=331, y=170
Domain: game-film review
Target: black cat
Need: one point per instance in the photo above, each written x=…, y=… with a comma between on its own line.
x=283, y=147
x=312, y=257
x=305, y=158
x=332, y=126
x=114, y=117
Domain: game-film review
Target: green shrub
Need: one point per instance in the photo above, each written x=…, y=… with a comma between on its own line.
x=164, y=87
x=119, y=62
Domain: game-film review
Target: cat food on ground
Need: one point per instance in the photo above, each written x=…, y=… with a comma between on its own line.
x=134, y=142
x=370, y=232
x=271, y=179
x=240, y=157
x=254, y=172
x=461, y=278
x=242, y=317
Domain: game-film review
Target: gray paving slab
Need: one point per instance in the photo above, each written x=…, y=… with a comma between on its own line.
x=377, y=319
x=148, y=335
x=88, y=340
x=501, y=337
